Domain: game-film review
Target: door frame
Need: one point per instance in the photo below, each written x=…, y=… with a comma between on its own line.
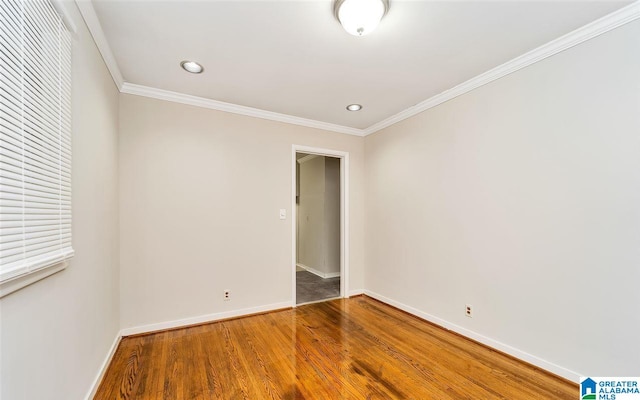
x=344, y=214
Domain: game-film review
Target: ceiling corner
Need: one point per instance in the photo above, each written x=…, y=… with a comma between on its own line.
x=95, y=28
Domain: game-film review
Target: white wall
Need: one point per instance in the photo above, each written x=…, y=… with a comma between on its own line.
x=319, y=216
x=311, y=214
x=521, y=198
x=331, y=229
x=200, y=192
x=55, y=334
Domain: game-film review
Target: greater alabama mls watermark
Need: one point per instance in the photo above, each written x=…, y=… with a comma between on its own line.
x=611, y=388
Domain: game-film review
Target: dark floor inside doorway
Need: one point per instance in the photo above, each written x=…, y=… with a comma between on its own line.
x=311, y=287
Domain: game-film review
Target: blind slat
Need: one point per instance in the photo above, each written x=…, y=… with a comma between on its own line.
x=35, y=138
x=18, y=233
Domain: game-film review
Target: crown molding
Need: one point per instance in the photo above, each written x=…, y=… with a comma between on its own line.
x=182, y=98
x=93, y=23
x=580, y=35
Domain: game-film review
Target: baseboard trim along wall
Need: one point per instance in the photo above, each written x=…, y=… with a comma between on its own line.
x=521, y=355
x=103, y=368
x=179, y=323
x=314, y=271
x=172, y=325
x=504, y=348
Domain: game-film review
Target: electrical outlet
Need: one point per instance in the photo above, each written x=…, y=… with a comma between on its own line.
x=468, y=310
x=227, y=295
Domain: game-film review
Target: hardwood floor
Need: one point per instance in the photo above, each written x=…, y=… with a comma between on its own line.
x=343, y=349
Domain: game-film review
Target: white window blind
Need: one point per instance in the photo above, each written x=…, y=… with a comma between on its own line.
x=35, y=139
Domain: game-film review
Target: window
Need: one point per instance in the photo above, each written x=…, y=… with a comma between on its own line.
x=35, y=143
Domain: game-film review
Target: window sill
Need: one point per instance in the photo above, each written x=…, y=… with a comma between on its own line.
x=19, y=282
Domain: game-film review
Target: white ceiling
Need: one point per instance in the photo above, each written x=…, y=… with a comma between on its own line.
x=293, y=57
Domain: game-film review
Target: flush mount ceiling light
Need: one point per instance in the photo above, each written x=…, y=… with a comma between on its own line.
x=360, y=17
x=192, y=66
x=354, y=107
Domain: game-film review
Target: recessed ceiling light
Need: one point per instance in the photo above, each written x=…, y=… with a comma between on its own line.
x=192, y=66
x=354, y=107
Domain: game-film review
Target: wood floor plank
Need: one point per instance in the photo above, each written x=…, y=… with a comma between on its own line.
x=353, y=348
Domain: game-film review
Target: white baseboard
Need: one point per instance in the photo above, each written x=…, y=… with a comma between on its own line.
x=531, y=359
x=203, y=319
x=324, y=275
x=174, y=324
x=519, y=354
x=103, y=368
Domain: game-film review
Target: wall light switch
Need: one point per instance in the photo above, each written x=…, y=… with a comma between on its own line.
x=283, y=213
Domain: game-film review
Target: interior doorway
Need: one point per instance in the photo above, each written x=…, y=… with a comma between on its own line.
x=319, y=245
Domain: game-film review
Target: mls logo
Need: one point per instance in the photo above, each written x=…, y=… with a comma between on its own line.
x=610, y=388
x=588, y=389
